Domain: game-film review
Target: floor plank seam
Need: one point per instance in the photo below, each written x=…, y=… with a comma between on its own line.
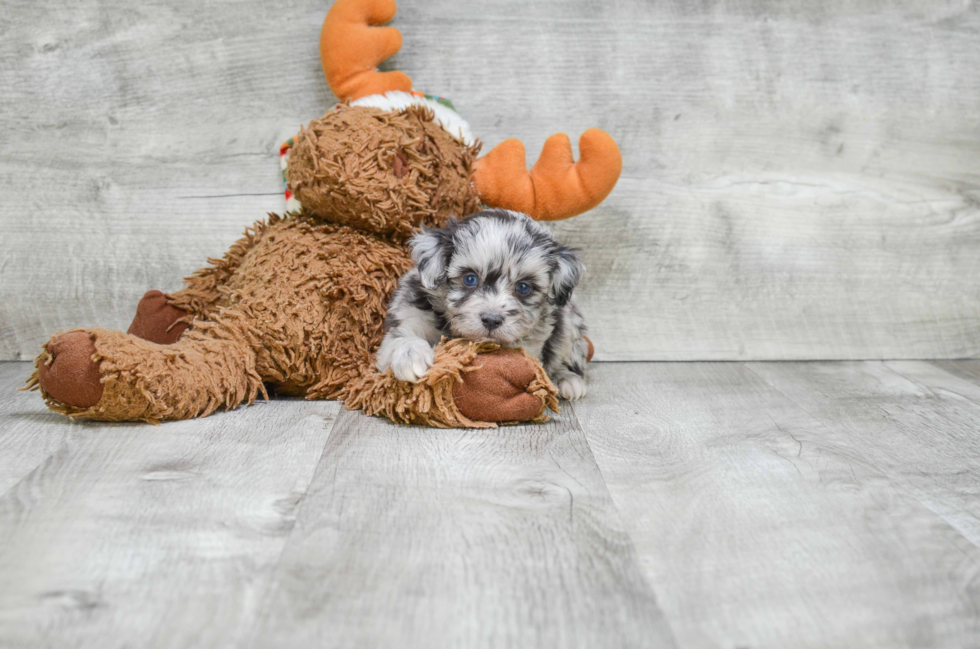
x=605, y=484
x=265, y=608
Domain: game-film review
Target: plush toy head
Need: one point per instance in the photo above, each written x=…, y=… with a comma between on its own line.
x=389, y=159
x=385, y=172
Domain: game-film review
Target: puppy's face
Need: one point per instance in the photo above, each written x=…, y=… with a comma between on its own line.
x=498, y=274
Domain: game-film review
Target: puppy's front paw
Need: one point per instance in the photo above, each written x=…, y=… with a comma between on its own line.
x=411, y=359
x=572, y=388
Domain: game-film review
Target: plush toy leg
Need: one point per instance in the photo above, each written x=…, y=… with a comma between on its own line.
x=157, y=320
x=470, y=385
x=112, y=376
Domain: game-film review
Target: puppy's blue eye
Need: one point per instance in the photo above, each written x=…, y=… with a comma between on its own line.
x=470, y=280
x=523, y=288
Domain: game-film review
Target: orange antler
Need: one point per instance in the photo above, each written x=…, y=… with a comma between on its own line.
x=351, y=46
x=556, y=187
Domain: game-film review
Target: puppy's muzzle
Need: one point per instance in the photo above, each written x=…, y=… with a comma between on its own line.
x=491, y=320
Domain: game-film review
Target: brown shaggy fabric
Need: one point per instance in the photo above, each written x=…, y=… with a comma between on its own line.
x=299, y=302
x=209, y=367
x=371, y=169
x=314, y=296
x=435, y=400
x=303, y=310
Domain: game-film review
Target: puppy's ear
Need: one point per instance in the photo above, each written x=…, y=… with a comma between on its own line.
x=431, y=251
x=565, y=275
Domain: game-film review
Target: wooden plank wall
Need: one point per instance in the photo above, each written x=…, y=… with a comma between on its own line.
x=801, y=180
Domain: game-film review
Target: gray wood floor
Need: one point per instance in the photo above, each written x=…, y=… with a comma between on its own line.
x=679, y=505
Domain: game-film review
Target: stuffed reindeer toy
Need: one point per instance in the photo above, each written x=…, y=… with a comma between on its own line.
x=298, y=304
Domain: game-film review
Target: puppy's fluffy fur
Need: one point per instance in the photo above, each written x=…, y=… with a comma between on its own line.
x=496, y=275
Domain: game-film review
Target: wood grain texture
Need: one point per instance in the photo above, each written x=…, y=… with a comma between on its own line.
x=733, y=505
x=761, y=523
x=142, y=536
x=800, y=178
x=911, y=420
x=28, y=433
x=968, y=370
x=414, y=537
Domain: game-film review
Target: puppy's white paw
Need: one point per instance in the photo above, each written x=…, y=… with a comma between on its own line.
x=572, y=388
x=411, y=358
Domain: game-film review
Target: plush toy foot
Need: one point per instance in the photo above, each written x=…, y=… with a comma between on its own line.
x=157, y=321
x=499, y=389
x=69, y=373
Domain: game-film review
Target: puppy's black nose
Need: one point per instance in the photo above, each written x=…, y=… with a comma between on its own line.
x=491, y=320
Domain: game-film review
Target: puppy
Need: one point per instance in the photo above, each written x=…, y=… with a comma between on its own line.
x=496, y=275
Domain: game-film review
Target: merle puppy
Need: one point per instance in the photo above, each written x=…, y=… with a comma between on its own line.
x=496, y=275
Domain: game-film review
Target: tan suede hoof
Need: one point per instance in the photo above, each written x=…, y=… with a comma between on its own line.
x=156, y=320
x=70, y=375
x=497, y=390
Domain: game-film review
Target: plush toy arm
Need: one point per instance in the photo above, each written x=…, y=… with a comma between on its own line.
x=470, y=385
x=556, y=187
x=202, y=290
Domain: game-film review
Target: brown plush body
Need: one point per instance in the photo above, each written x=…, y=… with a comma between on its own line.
x=298, y=304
